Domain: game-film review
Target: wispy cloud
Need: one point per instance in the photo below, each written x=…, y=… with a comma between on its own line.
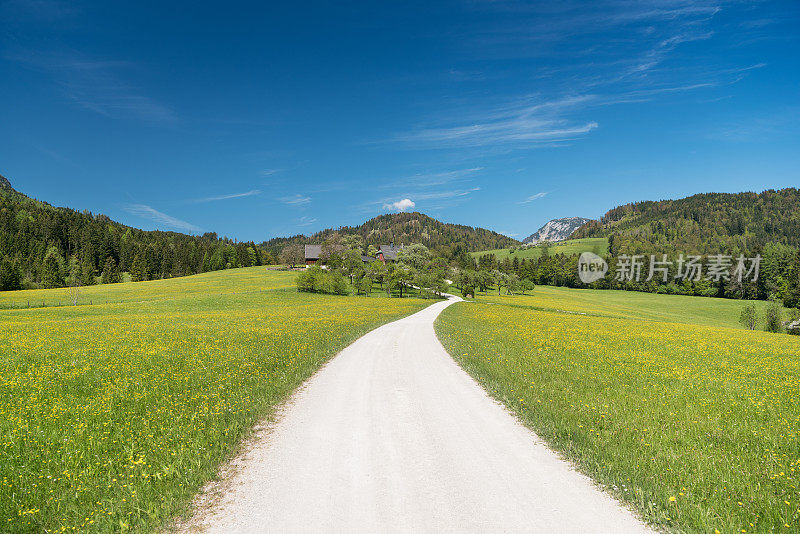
x=306, y=221
x=430, y=199
x=432, y=179
x=296, y=200
x=524, y=122
x=147, y=212
x=439, y=195
x=533, y=197
x=254, y=192
x=603, y=68
x=400, y=205
x=97, y=85
x=759, y=129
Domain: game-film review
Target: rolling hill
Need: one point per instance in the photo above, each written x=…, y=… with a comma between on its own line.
x=709, y=223
x=444, y=239
x=598, y=245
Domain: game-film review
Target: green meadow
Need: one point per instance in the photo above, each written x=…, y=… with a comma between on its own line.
x=664, y=400
x=633, y=305
x=115, y=412
x=598, y=245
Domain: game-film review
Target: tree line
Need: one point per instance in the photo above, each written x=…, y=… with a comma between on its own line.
x=778, y=277
x=42, y=246
x=417, y=271
x=444, y=240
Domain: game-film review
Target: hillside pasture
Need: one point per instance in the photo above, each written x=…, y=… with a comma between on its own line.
x=598, y=245
x=253, y=279
x=634, y=305
x=113, y=414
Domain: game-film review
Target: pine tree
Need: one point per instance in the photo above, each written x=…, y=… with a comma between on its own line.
x=139, y=268
x=10, y=275
x=88, y=271
x=111, y=272
x=51, y=272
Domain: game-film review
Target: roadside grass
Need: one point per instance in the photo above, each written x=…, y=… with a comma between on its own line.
x=598, y=245
x=706, y=311
x=695, y=426
x=113, y=415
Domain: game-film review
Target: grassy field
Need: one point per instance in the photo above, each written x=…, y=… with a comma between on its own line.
x=598, y=245
x=693, y=422
x=113, y=415
x=632, y=305
x=249, y=280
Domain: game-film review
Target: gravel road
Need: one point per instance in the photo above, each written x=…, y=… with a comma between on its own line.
x=393, y=436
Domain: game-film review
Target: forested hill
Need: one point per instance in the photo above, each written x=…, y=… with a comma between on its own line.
x=710, y=223
x=45, y=246
x=444, y=239
x=5, y=185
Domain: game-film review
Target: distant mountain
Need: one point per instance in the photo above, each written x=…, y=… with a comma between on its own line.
x=444, y=239
x=708, y=223
x=556, y=230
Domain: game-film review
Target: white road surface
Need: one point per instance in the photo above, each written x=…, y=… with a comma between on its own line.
x=393, y=436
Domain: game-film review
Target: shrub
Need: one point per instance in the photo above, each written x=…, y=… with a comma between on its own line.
x=315, y=280
x=306, y=280
x=748, y=317
x=772, y=317
x=794, y=319
x=334, y=283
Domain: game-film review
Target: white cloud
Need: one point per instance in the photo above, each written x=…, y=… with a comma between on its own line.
x=437, y=195
x=401, y=205
x=296, y=200
x=524, y=122
x=306, y=221
x=143, y=210
x=534, y=197
x=228, y=197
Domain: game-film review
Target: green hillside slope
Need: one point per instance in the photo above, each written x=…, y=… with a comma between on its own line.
x=444, y=239
x=46, y=246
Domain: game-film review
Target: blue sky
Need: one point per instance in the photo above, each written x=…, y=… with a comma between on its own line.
x=262, y=119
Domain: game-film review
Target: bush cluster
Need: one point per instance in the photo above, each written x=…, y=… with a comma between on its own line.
x=316, y=280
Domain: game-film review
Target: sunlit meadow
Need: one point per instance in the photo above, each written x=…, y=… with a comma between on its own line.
x=695, y=426
x=112, y=415
x=633, y=305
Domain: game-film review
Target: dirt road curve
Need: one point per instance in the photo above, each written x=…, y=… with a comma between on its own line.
x=392, y=436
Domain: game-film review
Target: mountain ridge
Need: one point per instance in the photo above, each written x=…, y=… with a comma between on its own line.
x=705, y=223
